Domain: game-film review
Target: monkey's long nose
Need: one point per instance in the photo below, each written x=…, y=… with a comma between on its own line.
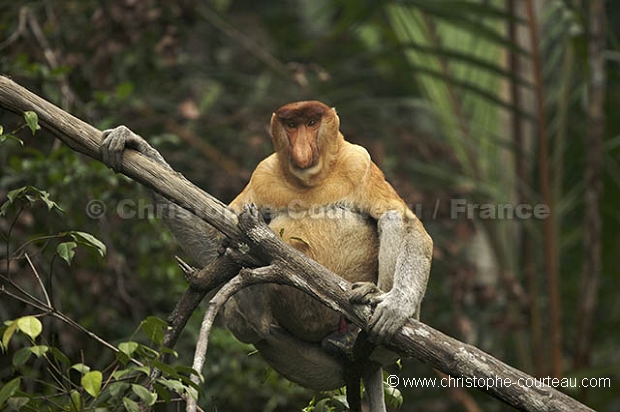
x=302, y=155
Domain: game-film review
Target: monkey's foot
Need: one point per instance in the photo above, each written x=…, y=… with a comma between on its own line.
x=341, y=343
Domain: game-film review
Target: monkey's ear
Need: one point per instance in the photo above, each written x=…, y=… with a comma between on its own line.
x=336, y=118
x=273, y=120
x=273, y=129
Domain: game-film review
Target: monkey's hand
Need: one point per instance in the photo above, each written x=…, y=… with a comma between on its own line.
x=390, y=310
x=116, y=140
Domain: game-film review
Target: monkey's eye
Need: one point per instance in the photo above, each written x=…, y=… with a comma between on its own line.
x=292, y=125
x=311, y=122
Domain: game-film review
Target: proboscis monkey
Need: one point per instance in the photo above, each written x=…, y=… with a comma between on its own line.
x=326, y=198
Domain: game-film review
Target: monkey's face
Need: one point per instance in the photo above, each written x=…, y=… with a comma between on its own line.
x=301, y=133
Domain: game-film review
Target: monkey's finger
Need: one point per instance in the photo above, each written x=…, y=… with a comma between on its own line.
x=112, y=148
x=364, y=293
x=378, y=327
x=385, y=322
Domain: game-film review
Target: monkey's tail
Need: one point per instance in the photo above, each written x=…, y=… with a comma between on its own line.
x=354, y=394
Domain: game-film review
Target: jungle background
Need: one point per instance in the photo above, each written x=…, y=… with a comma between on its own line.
x=489, y=103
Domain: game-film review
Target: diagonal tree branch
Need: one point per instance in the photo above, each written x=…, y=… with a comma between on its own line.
x=260, y=246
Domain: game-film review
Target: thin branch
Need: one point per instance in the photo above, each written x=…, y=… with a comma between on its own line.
x=36, y=274
x=245, y=278
x=22, y=294
x=68, y=95
x=35, y=303
x=61, y=316
x=51, y=311
x=21, y=28
x=244, y=40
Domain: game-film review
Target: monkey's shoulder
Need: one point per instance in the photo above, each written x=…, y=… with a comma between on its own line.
x=373, y=193
x=355, y=158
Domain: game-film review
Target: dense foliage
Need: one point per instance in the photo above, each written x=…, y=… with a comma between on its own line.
x=427, y=86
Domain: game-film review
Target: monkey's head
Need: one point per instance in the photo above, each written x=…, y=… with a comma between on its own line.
x=306, y=139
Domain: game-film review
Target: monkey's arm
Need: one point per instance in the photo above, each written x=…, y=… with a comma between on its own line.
x=405, y=253
x=199, y=239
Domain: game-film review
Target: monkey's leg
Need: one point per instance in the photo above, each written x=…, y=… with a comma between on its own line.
x=374, y=389
x=301, y=362
x=354, y=396
x=248, y=316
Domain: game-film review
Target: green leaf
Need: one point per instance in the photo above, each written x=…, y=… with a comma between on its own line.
x=166, y=369
x=66, y=252
x=168, y=351
x=193, y=392
x=123, y=373
x=116, y=389
x=30, y=326
x=145, y=370
x=146, y=352
x=153, y=328
x=172, y=384
x=16, y=193
x=31, y=194
x=76, y=401
x=91, y=382
x=131, y=372
x=130, y=406
x=32, y=120
x=1, y=129
x=191, y=386
x=393, y=397
x=162, y=393
x=8, y=334
x=9, y=390
x=128, y=348
x=189, y=371
x=90, y=241
x=122, y=358
x=147, y=397
x=39, y=350
x=15, y=403
x=80, y=367
x=45, y=197
x=155, y=321
x=21, y=357
x=60, y=357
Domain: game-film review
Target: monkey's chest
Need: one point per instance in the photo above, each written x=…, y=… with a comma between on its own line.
x=343, y=241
